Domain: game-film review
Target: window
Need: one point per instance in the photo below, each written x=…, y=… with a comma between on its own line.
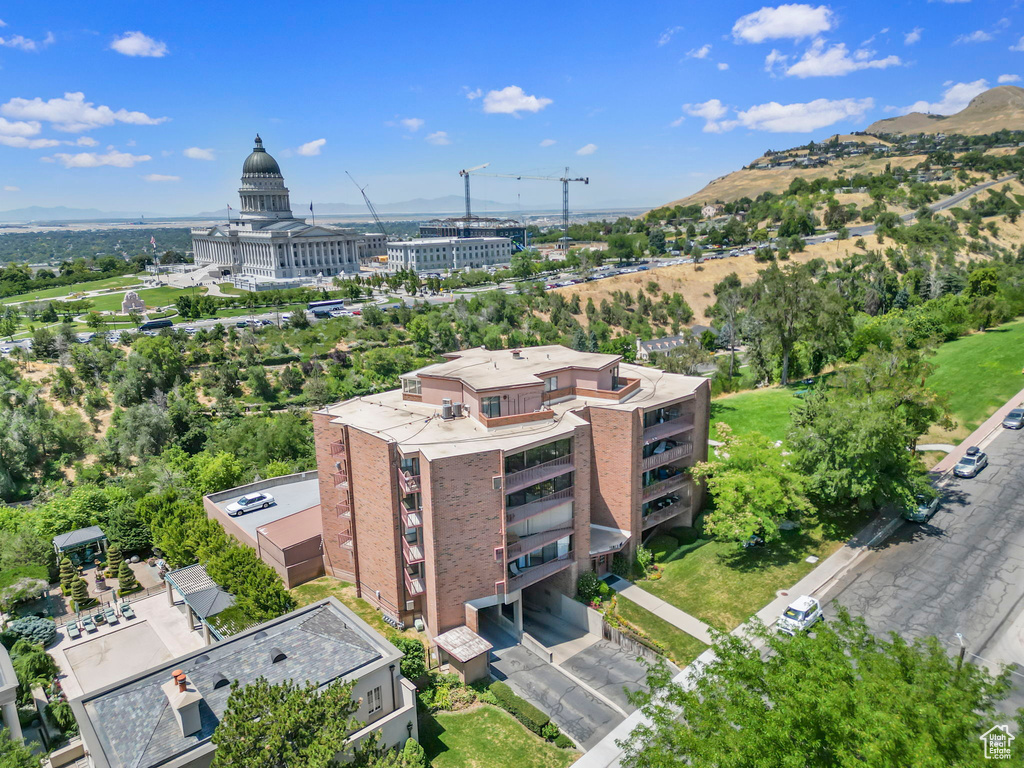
x=550, y=383
x=491, y=406
x=373, y=700
x=411, y=386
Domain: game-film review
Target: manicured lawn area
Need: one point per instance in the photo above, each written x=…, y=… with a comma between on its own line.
x=486, y=737
x=681, y=647
x=66, y=290
x=763, y=410
x=979, y=373
x=326, y=586
x=230, y=289
x=154, y=297
x=723, y=584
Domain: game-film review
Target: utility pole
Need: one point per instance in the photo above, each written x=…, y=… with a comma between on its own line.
x=960, y=658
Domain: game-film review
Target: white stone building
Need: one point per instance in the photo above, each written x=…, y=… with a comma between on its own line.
x=435, y=253
x=267, y=243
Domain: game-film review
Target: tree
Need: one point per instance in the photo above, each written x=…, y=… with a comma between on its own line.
x=126, y=581
x=217, y=472
x=753, y=485
x=14, y=754
x=843, y=698
x=279, y=726
x=414, y=664
x=80, y=593
x=68, y=575
x=114, y=560
x=656, y=241
x=9, y=322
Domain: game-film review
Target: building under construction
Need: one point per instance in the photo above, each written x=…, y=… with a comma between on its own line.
x=476, y=226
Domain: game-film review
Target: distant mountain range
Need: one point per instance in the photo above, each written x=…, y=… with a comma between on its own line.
x=447, y=204
x=61, y=213
x=997, y=109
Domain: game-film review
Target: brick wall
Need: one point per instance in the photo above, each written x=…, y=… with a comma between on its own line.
x=615, y=469
x=582, y=500
x=375, y=498
x=338, y=562
x=462, y=525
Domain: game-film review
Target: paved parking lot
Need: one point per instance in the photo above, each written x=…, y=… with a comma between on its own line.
x=609, y=670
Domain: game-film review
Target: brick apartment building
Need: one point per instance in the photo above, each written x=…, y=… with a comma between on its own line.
x=497, y=473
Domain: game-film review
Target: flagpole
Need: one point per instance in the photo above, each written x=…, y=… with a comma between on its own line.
x=311, y=212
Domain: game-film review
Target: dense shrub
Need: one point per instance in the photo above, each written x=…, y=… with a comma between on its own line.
x=36, y=630
x=588, y=586
x=564, y=742
x=414, y=664
x=521, y=710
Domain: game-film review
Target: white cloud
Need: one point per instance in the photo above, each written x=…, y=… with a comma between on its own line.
x=475, y=94
x=412, y=123
x=587, y=149
x=1009, y=78
x=667, y=35
x=1018, y=46
x=802, y=118
x=678, y=121
x=977, y=36
x=548, y=143
x=3, y=23
x=11, y=188
x=722, y=66
x=792, y=21
x=73, y=114
x=89, y=141
x=912, y=36
x=21, y=142
x=954, y=98
x=699, y=53
x=155, y=177
x=438, y=138
x=835, y=60
x=311, y=148
x=775, y=59
x=712, y=111
x=26, y=44
x=198, y=153
x=94, y=160
x=138, y=44
x=511, y=100
x=19, y=128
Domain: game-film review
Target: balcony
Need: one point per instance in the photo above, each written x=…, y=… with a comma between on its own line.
x=337, y=448
x=413, y=552
x=345, y=539
x=339, y=479
x=666, y=428
x=662, y=487
x=532, y=575
x=667, y=512
x=680, y=451
x=524, y=478
x=414, y=586
x=412, y=518
x=343, y=509
x=543, y=504
x=408, y=483
x=528, y=544
x=516, y=418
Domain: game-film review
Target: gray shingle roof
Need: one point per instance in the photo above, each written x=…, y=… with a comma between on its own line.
x=135, y=726
x=79, y=537
x=210, y=602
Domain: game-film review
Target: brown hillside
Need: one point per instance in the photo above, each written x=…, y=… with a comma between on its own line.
x=997, y=109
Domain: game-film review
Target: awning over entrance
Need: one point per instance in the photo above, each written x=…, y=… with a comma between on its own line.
x=605, y=540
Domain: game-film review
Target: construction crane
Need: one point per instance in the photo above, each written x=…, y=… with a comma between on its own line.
x=565, y=193
x=373, y=211
x=465, y=174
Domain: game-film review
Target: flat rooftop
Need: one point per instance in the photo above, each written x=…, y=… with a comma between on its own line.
x=490, y=368
x=419, y=427
x=289, y=497
x=131, y=721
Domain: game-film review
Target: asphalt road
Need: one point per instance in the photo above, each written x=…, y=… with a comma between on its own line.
x=962, y=572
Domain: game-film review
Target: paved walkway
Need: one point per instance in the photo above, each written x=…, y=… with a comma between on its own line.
x=944, y=448
x=677, y=618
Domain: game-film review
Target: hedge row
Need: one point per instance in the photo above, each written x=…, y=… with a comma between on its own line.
x=521, y=710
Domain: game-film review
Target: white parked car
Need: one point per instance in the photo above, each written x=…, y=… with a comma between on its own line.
x=249, y=502
x=801, y=615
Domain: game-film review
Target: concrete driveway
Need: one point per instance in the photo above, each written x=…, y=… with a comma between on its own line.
x=610, y=671
x=962, y=572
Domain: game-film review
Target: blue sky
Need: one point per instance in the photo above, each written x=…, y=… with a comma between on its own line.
x=154, y=106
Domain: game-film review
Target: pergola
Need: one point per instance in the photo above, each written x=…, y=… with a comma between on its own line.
x=203, y=597
x=70, y=544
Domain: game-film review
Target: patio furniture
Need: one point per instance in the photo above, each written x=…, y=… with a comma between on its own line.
x=99, y=618
x=111, y=615
x=73, y=631
x=126, y=611
x=88, y=625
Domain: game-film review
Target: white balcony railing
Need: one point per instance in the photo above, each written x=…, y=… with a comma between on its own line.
x=524, y=478
x=523, y=511
x=533, y=574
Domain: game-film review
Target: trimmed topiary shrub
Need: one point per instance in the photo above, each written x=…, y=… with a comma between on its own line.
x=80, y=594
x=520, y=709
x=114, y=560
x=126, y=582
x=36, y=630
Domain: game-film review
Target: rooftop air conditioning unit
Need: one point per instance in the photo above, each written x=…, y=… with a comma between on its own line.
x=446, y=409
x=410, y=605
x=457, y=410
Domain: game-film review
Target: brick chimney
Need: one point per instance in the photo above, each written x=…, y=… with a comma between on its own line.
x=184, y=700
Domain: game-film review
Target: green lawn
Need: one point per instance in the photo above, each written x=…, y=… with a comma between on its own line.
x=230, y=289
x=328, y=586
x=154, y=297
x=680, y=647
x=979, y=373
x=723, y=584
x=762, y=410
x=66, y=290
x=486, y=737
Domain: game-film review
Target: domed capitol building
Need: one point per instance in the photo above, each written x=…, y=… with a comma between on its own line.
x=266, y=243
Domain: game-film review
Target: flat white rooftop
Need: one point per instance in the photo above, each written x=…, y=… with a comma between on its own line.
x=482, y=368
